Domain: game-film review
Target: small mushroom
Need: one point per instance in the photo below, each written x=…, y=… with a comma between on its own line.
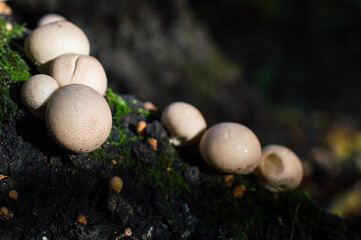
x=279, y=169
x=51, y=40
x=140, y=128
x=115, y=184
x=13, y=194
x=36, y=93
x=49, y=18
x=5, y=9
x=150, y=106
x=228, y=179
x=238, y=191
x=184, y=122
x=153, y=142
x=6, y=213
x=230, y=148
x=128, y=232
x=78, y=118
x=82, y=219
x=74, y=68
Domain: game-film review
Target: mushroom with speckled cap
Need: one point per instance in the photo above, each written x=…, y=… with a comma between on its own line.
x=51, y=40
x=279, y=169
x=36, y=92
x=231, y=148
x=82, y=69
x=78, y=118
x=184, y=122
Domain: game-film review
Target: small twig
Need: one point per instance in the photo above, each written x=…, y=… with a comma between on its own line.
x=294, y=220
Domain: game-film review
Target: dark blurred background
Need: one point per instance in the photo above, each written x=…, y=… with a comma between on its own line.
x=300, y=53
x=289, y=70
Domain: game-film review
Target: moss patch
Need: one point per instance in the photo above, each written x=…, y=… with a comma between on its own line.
x=157, y=168
x=13, y=70
x=120, y=136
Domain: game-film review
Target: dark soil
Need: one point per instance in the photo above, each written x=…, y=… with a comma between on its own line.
x=55, y=186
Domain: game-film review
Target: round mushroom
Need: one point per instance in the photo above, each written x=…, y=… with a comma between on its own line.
x=82, y=69
x=49, y=18
x=184, y=122
x=78, y=118
x=115, y=184
x=230, y=148
x=51, y=40
x=279, y=169
x=36, y=92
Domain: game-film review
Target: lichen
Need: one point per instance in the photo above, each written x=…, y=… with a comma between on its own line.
x=13, y=70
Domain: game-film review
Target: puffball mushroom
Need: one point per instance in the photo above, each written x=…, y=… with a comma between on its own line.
x=279, y=169
x=78, y=118
x=36, y=93
x=231, y=148
x=49, y=18
x=82, y=69
x=115, y=184
x=184, y=122
x=51, y=40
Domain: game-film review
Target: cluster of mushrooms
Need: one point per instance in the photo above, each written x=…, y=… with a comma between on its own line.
x=69, y=92
x=71, y=101
x=233, y=148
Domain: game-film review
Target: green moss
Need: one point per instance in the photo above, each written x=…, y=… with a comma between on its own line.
x=258, y=212
x=165, y=172
x=122, y=106
x=13, y=70
x=119, y=136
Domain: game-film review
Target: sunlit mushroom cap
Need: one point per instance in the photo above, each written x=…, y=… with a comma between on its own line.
x=51, y=40
x=231, y=148
x=82, y=69
x=36, y=92
x=78, y=118
x=184, y=122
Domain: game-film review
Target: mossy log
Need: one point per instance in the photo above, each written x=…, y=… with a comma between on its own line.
x=167, y=193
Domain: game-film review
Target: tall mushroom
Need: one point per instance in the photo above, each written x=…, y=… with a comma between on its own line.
x=279, y=169
x=230, y=148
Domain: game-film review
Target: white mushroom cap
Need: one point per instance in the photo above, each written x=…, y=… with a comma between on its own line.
x=36, y=93
x=49, y=18
x=78, y=118
x=279, y=169
x=51, y=40
x=184, y=122
x=82, y=69
x=231, y=148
